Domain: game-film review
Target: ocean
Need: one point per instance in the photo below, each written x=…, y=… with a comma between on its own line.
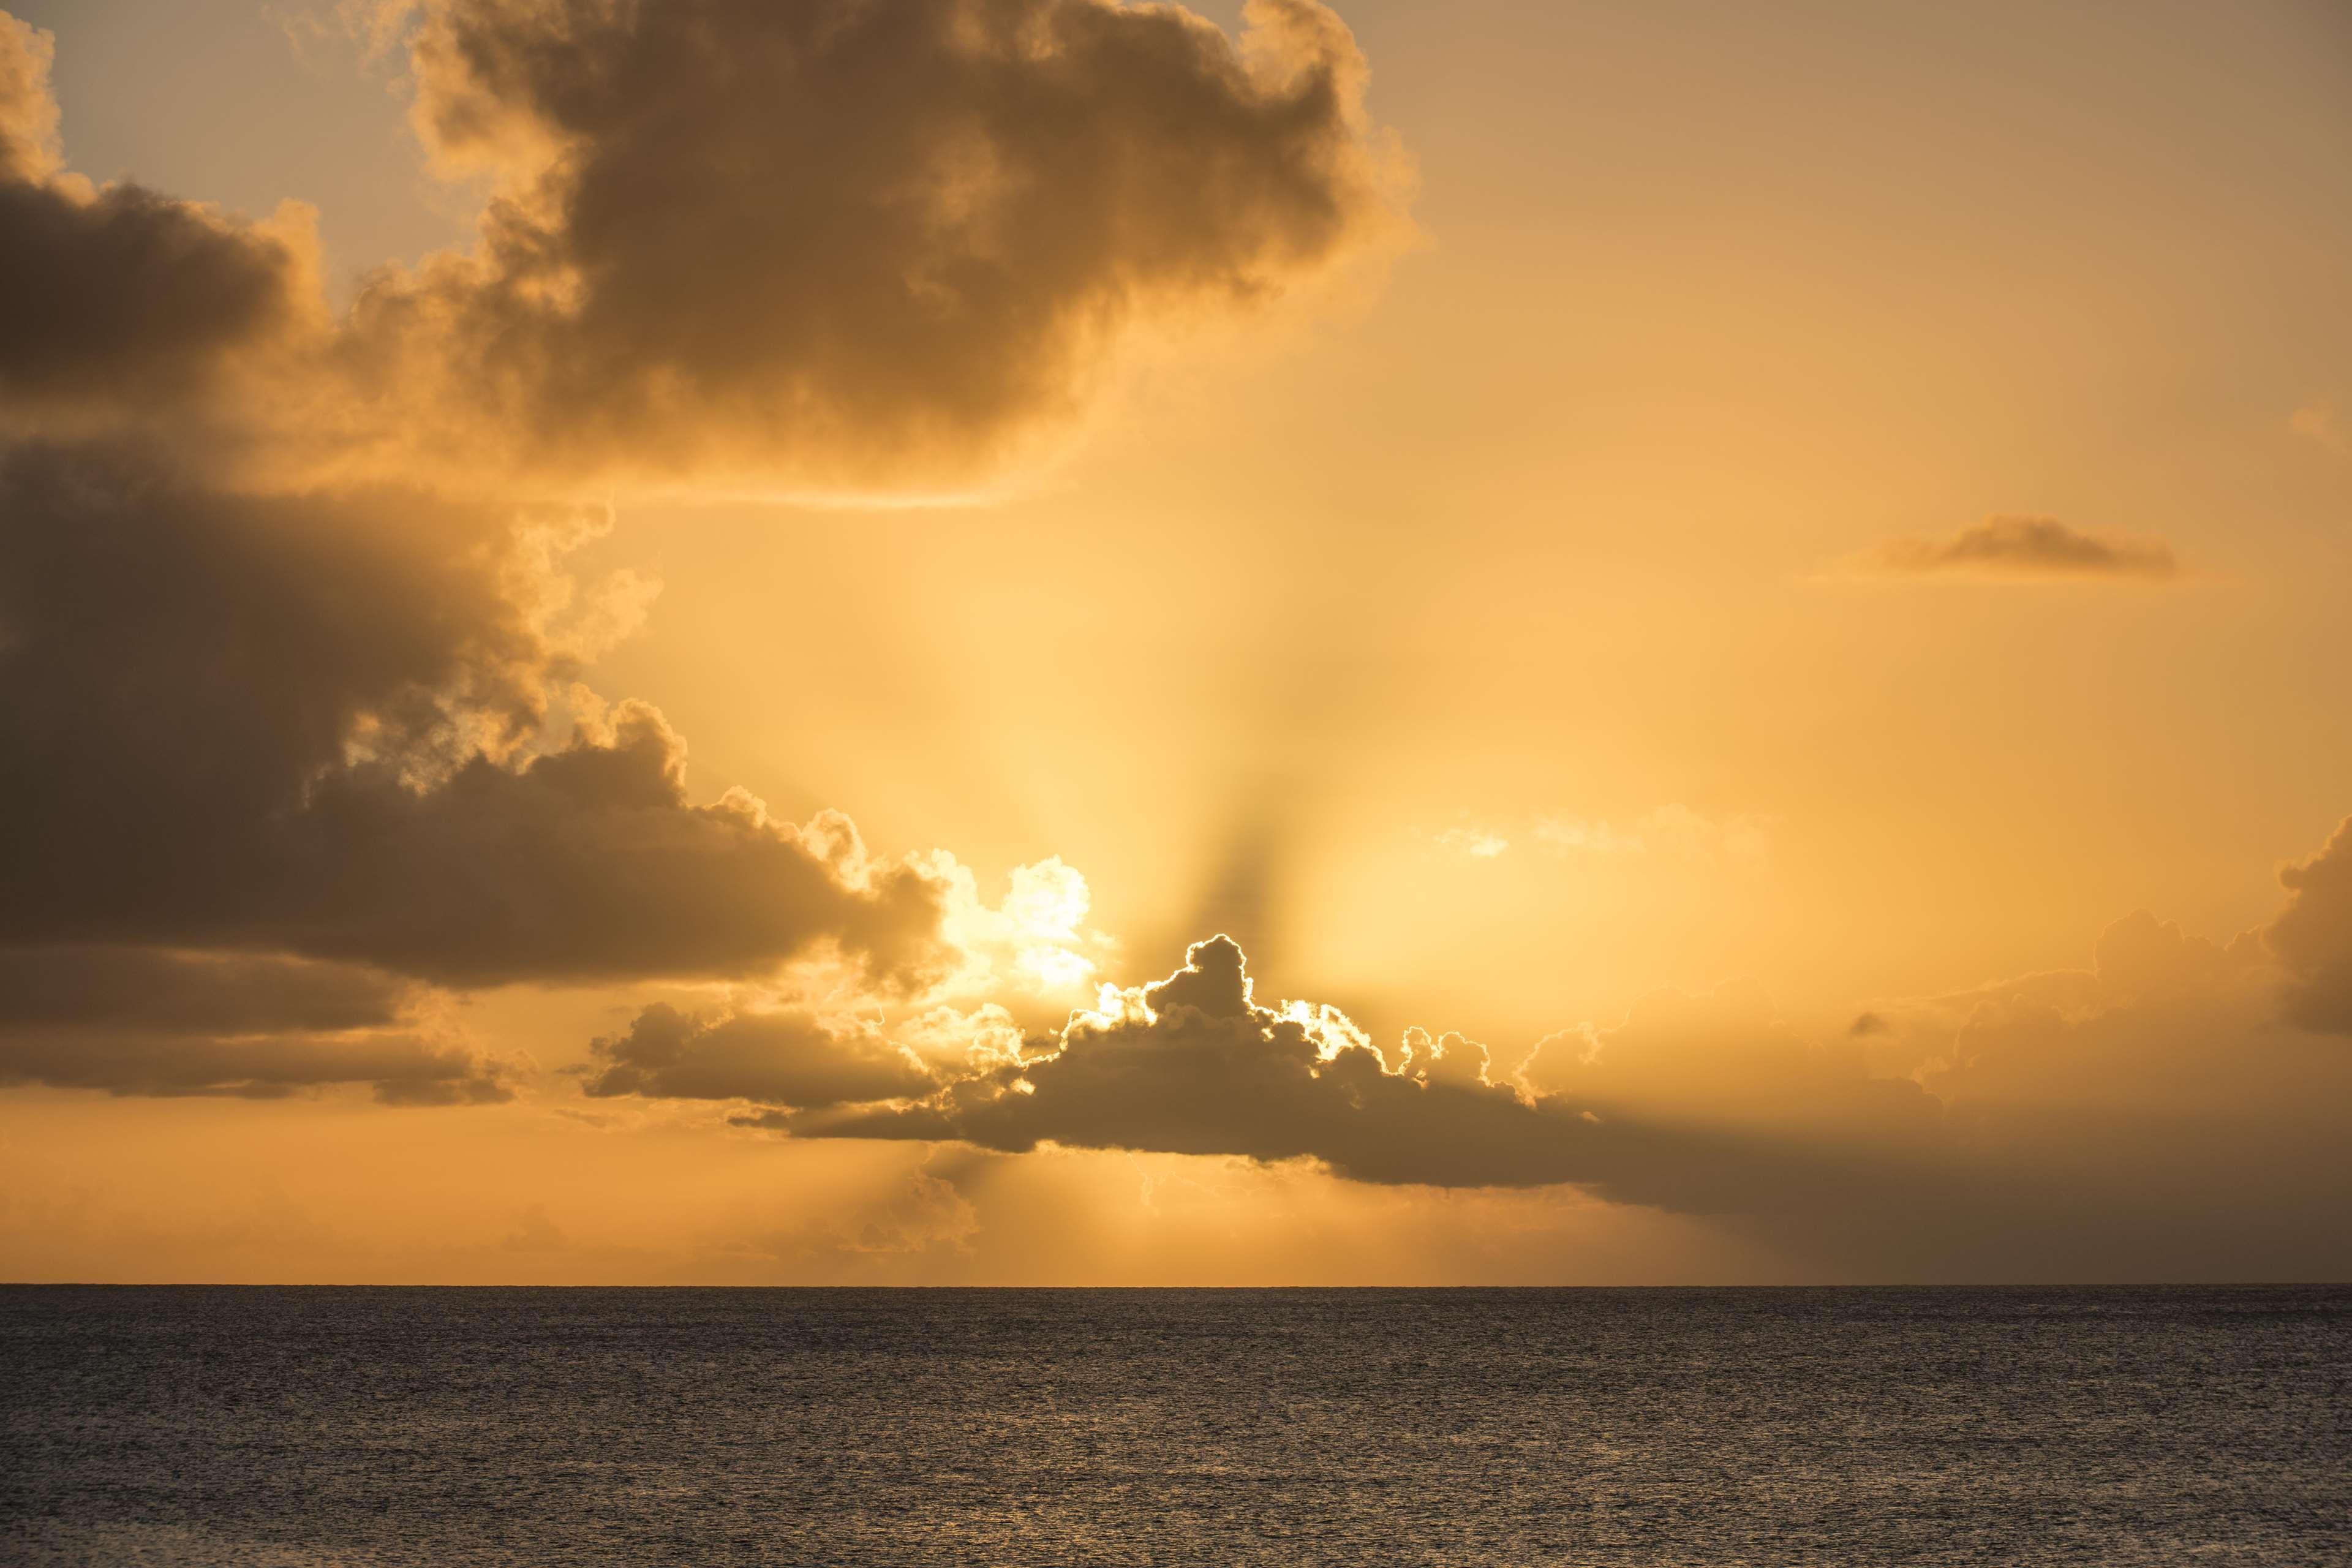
x=290, y=1427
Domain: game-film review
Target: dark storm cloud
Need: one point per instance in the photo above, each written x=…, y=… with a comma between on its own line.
x=788, y=1058
x=2312, y=936
x=2024, y=547
x=133, y=1021
x=118, y=294
x=256, y=722
x=828, y=237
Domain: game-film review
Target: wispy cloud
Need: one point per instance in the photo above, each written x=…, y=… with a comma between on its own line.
x=1672, y=830
x=1479, y=843
x=2320, y=422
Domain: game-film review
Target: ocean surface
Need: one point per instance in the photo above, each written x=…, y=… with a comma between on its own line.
x=274, y=1426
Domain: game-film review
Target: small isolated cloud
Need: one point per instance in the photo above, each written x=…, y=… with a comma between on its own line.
x=2320, y=422
x=2021, y=548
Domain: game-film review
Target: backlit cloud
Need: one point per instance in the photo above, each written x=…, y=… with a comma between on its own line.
x=1195, y=1064
x=2066, y=1123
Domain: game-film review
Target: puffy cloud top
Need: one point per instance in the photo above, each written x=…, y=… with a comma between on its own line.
x=2312, y=935
x=119, y=295
x=852, y=240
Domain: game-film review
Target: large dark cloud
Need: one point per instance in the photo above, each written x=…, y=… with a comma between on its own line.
x=119, y=295
x=134, y=1021
x=259, y=722
x=876, y=244
x=273, y=707
x=261, y=702
x=852, y=239
x=180, y=665
x=2312, y=936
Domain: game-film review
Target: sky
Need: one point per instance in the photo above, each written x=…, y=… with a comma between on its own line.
x=1038, y=641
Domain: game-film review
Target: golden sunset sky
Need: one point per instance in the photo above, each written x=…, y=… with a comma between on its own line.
x=1742, y=613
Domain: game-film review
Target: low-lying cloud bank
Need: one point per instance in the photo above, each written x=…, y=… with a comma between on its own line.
x=2176, y=1100
x=1194, y=1065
